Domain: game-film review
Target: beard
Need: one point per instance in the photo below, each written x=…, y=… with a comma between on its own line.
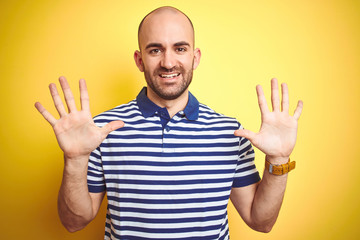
x=172, y=90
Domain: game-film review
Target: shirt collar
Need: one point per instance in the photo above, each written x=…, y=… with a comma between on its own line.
x=191, y=110
x=148, y=108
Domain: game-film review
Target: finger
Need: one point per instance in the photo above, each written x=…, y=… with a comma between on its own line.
x=285, y=98
x=57, y=100
x=298, y=110
x=261, y=100
x=48, y=117
x=246, y=134
x=69, y=98
x=275, y=100
x=111, y=126
x=84, y=96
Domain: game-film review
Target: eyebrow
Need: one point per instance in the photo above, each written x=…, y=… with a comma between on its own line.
x=150, y=45
x=182, y=43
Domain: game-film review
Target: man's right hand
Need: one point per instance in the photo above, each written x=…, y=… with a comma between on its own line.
x=75, y=131
x=77, y=136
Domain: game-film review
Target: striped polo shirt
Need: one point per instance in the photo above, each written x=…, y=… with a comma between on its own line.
x=172, y=179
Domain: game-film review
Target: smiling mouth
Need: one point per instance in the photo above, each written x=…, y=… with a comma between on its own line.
x=169, y=75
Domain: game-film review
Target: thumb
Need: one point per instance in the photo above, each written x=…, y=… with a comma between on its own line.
x=111, y=126
x=245, y=133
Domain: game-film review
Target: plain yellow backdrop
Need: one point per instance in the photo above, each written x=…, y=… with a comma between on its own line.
x=312, y=45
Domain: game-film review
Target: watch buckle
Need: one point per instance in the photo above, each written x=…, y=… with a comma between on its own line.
x=271, y=168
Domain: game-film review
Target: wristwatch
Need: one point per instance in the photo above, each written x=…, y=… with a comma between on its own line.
x=279, y=169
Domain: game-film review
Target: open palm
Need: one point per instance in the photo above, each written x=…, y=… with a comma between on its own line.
x=75, y=131
x=278, y=131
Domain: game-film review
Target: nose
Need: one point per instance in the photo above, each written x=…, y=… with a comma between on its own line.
x=168, y=60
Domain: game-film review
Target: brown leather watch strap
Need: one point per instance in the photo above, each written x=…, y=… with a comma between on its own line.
x=279, y=169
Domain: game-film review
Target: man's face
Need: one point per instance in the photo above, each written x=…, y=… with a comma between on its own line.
x=167, y=55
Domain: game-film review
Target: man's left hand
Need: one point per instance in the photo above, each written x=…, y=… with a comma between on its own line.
x=278, y=131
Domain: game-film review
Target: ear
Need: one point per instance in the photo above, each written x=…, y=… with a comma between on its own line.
x=138, y=60
x=197, y=56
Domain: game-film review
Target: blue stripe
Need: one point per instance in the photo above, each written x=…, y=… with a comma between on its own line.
x=169, y=154
x=95, y=155
x=134, y=136
x=231, y=128
x=174, y=145
x=244, y=169
x=184, y=136
x=246, y=149
x=96, y=189
x=168, y=182
x=167, y=201
x=130, y=237
x=166, y=230
x=93, y=174
x=168, y=191
x=245, y=181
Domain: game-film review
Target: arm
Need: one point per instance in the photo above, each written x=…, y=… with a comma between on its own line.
x=259, y=204
x=77, y=136
x=76, y=206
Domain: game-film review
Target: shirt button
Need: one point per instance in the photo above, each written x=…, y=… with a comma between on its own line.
x=167, y=128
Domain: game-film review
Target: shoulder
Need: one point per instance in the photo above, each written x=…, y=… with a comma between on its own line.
x=122, y=112
x=207, y=114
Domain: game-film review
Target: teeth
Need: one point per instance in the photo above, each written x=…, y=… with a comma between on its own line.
x=170, y=75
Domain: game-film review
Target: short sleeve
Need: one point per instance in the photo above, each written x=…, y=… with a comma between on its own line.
x=246, y=172
x=95, y=174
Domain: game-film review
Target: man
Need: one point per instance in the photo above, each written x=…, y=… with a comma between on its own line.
x=169, y=171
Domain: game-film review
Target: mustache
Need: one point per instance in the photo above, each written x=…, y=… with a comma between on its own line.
x=168, y=70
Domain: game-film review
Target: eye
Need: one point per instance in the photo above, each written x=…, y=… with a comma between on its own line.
x=181, y=49
x=155, y=51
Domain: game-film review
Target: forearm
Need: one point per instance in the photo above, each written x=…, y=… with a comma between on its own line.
x=268, y=200
x=74, y=202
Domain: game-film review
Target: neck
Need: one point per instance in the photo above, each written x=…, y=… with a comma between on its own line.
x=173, y=106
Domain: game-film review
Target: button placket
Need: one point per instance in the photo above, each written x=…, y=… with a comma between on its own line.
x=167, y=146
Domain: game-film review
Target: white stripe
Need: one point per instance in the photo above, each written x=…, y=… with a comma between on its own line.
x=170, y=140
x=171, y=215
x=137, y=140
x=165, y=226
x=169, y=236
x=170, y=169
x=168, y=196
x=172, y=178
x=243, y=174
x=168, y=187
x=112, y=118
x=135, y=132
x=199, y=133
x=203, y=141
x=201, y=126
x=180, y=149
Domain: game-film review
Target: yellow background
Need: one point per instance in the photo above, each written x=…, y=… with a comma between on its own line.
x=314, y=46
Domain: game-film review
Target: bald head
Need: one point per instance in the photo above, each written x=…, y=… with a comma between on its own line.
x=158, y=16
